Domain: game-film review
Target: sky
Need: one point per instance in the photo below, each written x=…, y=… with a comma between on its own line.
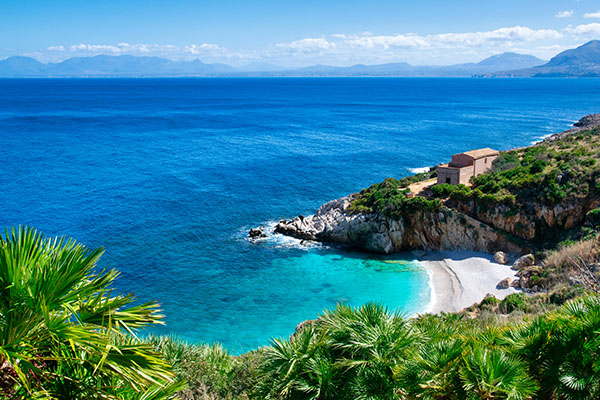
x=296, y=33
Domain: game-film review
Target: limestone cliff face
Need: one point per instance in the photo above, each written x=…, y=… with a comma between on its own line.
x=534, y=220
x=444, y=229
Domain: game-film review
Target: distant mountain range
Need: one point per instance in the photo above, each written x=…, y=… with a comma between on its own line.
x=582, y=61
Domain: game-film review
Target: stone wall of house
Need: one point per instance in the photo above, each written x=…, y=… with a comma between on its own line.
x=483, y=164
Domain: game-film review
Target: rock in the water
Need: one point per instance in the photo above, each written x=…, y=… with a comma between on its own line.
x=524, y=261
x=256, y=233
x=504, y=283
x=500, y=257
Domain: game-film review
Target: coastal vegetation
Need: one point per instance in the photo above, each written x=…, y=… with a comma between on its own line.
x=64, y=334
x=391, y=199
x=371, y=353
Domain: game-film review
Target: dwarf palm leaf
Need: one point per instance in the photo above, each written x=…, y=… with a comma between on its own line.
x=368, y=342
x=298, y=368
x=60, y=323
x=432, y=371
x=490, y=373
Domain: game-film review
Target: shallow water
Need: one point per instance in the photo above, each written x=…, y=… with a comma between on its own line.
x=169, y=174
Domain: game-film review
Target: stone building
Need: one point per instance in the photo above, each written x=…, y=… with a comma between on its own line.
x=465, y=165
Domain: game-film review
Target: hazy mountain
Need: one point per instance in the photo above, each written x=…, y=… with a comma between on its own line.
x=21, y=66
x=110, y=66
x=132, y=66
x=583, y=61
x=510, y=60
x=495, y=63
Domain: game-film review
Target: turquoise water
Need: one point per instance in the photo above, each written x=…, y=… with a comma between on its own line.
x=170, y=174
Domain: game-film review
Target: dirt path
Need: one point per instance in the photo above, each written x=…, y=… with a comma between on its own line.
x=418, y=187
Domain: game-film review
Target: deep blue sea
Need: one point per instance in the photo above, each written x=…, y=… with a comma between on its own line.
x=168, y=175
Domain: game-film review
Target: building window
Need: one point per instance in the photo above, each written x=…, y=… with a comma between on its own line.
x=448, y=180
x=486, y=160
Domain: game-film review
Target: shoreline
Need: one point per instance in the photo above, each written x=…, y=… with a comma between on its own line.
x=458, y=279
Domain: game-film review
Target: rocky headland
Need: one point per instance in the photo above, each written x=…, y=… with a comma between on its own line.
x=526, y=210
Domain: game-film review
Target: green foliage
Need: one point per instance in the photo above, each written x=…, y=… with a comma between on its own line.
x=369, y=353
x=389, y=198
x=442, y=190
x=209, y=371
x=506, y=160
x=537, y=166
x=514, y=302
x=63, y=334
x=593, y=217
x=492, y=373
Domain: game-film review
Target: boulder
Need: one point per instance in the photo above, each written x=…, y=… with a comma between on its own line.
x=524, y=261
x=527, y=274
x=504, y=283
x=501, y=257
x=256, y=233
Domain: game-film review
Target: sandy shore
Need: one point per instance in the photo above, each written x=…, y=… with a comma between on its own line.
x=461, y=278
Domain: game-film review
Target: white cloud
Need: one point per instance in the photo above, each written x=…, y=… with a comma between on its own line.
x=592, y=15
x=204, y=50
x=587, y=29
x=450, y=40
x=565, y=14
x=386, y=42
x=515, y=34
x=307, y=45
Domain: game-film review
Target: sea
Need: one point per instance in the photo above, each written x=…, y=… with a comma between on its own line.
x=169, y=175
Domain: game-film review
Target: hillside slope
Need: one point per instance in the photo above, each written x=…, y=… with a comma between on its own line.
x=583, y=61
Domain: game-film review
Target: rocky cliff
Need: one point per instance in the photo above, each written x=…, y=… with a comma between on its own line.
x=444, y=229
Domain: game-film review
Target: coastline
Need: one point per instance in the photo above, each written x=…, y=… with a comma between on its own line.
x=459, y=279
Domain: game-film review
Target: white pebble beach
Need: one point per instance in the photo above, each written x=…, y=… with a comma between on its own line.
x=462, y=278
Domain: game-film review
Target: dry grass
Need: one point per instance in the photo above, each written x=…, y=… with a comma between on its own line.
x=578, y=260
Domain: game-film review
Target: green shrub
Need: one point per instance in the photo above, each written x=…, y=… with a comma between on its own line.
x=389, y=199
x=538, y=166
x=513, y=302
x=593, y=216
x=442, y=190
x=506, y=160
